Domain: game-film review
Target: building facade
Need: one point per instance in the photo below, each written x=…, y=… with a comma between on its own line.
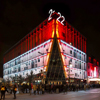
x=59, y=50
x=93, y=70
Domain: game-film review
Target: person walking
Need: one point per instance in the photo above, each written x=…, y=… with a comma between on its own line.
x=42, y=88
x=85, y=87
x=3, y=90
x=30, y=88
x=34, y=88
x=77, y=87
x=15, y=90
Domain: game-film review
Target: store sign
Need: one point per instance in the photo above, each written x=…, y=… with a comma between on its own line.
x=94, y=71
x=58, y=19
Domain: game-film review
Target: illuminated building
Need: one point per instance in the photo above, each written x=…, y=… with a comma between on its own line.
x=60, y=46
x=93, y=70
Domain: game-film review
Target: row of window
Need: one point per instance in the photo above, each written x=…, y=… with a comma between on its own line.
x=78, y=55
x=18, y=62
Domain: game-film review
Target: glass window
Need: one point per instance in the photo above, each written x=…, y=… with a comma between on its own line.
x=84, y=57
x=80, y=56
x=29, y=63
x=19, y=68
x=70, y=51
x=80, y=65
x=88, y=66
x=70, y=60
x=35, y=65
x=39, y=60
x=47, y=50
x=75, y=64
x=35, y=61
x=63, y=34
x=32, y=64
x=84, y=67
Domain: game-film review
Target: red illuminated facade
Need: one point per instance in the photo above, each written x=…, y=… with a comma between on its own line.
x=44, y=32
x=93, y=69
x=71, y=45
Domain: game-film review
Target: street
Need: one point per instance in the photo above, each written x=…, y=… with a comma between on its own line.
x=92, y=94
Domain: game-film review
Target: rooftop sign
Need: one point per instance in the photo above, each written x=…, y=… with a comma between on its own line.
x=58, y=19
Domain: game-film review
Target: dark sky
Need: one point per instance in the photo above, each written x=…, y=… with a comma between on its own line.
x=19, y=17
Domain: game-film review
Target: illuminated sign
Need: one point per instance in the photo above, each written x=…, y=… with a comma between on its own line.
x=50, y=12
x=58, y=19
x=94, y=71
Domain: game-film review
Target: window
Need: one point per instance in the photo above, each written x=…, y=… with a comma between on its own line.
x=84, y=67
x=75, y=64
x=35, y=65
x=32, y=64
x=47, y=50
x=70, y=60
x=65, y=57
x=70, y=51
x=88, y=66
x=29, y=63
x=80, y=72
x=80, y=65
x=67, y=70
x=35, y=61
x=80, y=56
x=84, y=57
x=18, y=68
x=63, y=34
x=74, y=53
x=39, y=60
x=75, y=74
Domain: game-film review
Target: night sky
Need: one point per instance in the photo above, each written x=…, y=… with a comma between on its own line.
x=19, y=17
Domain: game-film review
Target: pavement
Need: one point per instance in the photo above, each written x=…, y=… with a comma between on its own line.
x=92, y=94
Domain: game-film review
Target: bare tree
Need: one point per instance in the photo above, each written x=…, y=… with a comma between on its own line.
x=30, y=77
x=14, y=79
x=20, y=79
x=4, y=81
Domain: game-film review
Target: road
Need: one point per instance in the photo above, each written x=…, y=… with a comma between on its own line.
x=92, y=94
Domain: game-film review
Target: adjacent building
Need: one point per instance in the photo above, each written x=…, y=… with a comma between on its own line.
x=56, y=49
x=93, y=70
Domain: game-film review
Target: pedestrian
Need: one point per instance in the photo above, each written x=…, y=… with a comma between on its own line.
x=3, y=90
x=15, y=90
x=43, y=89
x=34, y=88
x=85, y=87
x=77, y=86
x=30, y=88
